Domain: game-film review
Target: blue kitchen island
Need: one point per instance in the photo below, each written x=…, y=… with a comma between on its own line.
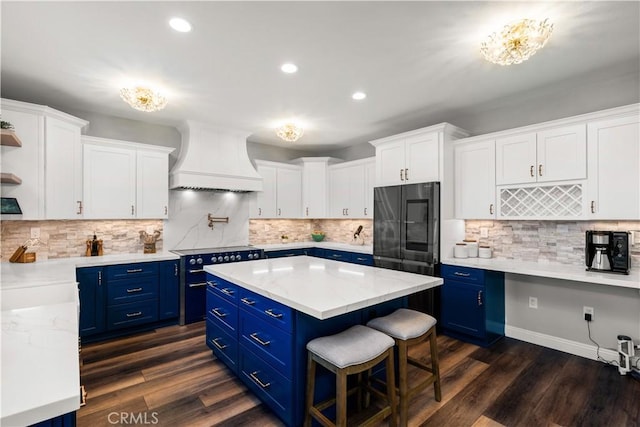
x=261, y=314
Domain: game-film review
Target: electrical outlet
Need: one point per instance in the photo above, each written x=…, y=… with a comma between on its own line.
x=35, y=232
x=533, y=302
x=587, y=310
x=484, y=232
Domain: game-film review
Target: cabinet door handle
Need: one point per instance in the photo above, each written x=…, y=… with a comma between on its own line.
x=365, y=211
x=165, y=210
x=197, y=285
x=491, y=208
x=135, y=270
x=136, y=314
x=401, y=174
x=259, y=211
x=457, y=273
x=248, y=301
x=307, y=211
x=227, y=291
x=531, y=171
x=406, y=174
x=279, y=212
x=131, y=291
x=254, y=377
x=211, y=283
x=133, y=210
x=99, y=277
x=272, y=314
x=540, y=169
x=593, y=206
x=257, y=339
x=218, y=346
x=218, y=313
x=196, y=271
x=347, y=211
x=79, y=212
x=479, y=298
x=175, y=270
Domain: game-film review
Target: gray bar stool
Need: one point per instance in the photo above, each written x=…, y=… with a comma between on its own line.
x=408, y=328
x=352, y=351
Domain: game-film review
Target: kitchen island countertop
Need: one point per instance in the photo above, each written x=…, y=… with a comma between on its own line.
x=322, y=288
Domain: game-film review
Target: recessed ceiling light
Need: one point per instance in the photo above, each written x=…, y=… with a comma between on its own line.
x=180, y=24
x=358, y=96
x=289, y=68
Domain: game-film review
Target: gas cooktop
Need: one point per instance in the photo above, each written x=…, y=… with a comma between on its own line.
x=186, y=252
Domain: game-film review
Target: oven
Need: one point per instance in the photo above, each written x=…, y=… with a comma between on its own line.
x=193, y=281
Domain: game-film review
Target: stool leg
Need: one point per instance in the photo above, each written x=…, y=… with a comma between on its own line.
x=311, y=383
x=391, y=388
x=341, y=398
x=435, y=364
x=403, y=381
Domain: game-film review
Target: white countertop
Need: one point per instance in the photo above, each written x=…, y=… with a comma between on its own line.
x=322, y=288
x=557, y=271
x=362, y=249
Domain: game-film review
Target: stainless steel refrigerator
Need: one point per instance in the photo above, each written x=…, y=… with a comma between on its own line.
x=406, y=234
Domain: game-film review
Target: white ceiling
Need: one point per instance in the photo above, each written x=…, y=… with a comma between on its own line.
x=411, y=58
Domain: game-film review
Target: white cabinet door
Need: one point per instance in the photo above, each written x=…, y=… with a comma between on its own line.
x=265, y=201
x=314, y=190
x=63, y=170
x=421, y=159
x=369, y=183
x=152, y=196
x=475, y=183
x=338, y=191
x=356, y=185
x=390, y=163
x=562, y=153
x=516, y=159
x=109, y=182
x=614, y=169
x=289, y=193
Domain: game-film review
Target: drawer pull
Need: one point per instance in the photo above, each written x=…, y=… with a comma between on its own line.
x=257, y=339
x=272, y=314
x=130, y=291
x=217, y=313
x=135, y=270
x=227, y=291
x=457, y=273
x=254, y=377
x=247, y=301
x=218, y=346
x=479, y=298
x=136, y=314
x=360, y=259
x=197, y=285
x=212, y=283
x=196, y=271
x=336, y=256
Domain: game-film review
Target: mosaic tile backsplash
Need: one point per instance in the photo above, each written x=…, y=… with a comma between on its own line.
x=266, y=231
x=546, y=241
x=64, y=239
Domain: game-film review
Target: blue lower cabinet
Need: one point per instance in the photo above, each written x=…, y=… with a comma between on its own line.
x=222, y=312
x=169, y=290
x=223, y=345
x=472, y=302
x=338, y=255
x=126, y=315
x=66, y=420
x=92, y=292
x=285, y=253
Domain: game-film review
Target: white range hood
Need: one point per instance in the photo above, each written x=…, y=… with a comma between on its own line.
x=213, y=158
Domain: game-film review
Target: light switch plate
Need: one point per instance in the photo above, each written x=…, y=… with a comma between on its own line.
x=484, y=232
x=35, y=232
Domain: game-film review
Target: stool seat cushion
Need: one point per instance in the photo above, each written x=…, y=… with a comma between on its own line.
x=403, y=324
x=353, y=346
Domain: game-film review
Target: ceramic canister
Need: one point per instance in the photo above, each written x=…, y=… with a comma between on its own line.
x=460, y=250
x=484, y=252
x=472, y=248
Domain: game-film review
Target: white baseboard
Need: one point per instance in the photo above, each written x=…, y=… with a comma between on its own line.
x=572, y=347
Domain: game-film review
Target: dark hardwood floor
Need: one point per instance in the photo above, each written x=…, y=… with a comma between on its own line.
x=168, y=377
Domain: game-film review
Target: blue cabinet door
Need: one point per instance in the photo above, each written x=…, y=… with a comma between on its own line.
x=169, y=290
x=463, y=308
x=92, y=287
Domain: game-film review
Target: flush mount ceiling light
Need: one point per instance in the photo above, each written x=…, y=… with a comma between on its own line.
x=359, y=96
x=517, y=41
x=289, y=132
x=180, y=25
x=289, y=68
x=143, y=98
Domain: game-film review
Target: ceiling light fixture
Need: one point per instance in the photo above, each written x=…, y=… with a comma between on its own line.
x=143, y=98
x=180, y=25
x=359, y=96
x=289, y=68
x=517, y=41
x=289, y=132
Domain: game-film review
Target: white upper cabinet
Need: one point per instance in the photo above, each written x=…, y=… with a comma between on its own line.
x=475, y=183
x=349, y=190
x=124, y=180
x=315, y=185
x=415, y=156
x=554, y=154
x=282, y=191
x=614, y=168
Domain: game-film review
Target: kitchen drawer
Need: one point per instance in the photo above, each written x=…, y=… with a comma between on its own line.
x=272, y=344
x=221, y=287
x=338, y=255
x=364, y=259
x=224, y=346
x=285, y=253
x=126, y=291
x=462, y=274
x=125, y=315
x=124, y=271
x=267, y=310
x=222, y=312
x=269, y=385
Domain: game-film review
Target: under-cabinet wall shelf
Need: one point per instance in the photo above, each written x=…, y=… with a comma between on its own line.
x=9, y=178
x=9, y=138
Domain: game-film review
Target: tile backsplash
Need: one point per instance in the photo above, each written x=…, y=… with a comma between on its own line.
x=266, y=231
x=546, y=241
x=64, y=239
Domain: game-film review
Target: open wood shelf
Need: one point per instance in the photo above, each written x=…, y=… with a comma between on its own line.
x=10, y=138
x=9, y=178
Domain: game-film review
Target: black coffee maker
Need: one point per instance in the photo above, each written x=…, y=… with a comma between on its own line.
x=607, y=251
